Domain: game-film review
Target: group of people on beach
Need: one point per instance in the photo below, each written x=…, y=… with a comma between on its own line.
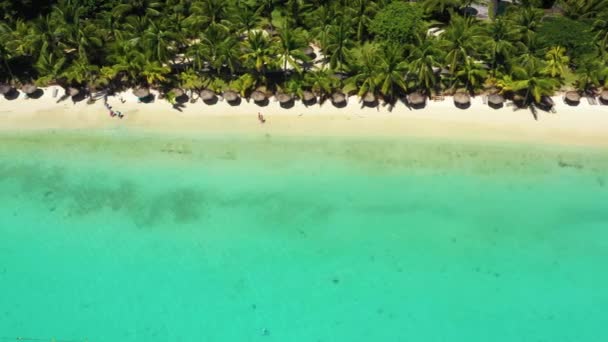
x=112, y=113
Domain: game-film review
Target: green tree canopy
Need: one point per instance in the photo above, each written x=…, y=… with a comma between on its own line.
x=398, y=22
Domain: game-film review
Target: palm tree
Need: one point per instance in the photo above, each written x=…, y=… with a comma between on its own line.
x=362, y=13
x=583, y=9
x=190, y=80
x=338, y=41
x=154, y=72
x=228, y=54
x=423, y=59
x=391, y=72
x=50, y=64
x=556, y=60
x=156, y=42
x=290, y=48
x=500, y=42
x=295, y=12
x=534, y=83
x=208, y=12
x=527, y=20
x=460, y=38
x=258, y=51
x=320, y=81
x=471, y=75
x=600, y=26
x=363, y=63
x=5, y=54
x=590, y=74
x=441, y=7
x=218, y=48
x=80, y=71
x=245, y=17
x=140, y=8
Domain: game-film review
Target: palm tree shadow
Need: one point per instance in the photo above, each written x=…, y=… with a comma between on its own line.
x=182, y=99
x=211, y=101
x=235, y=102
x=262, y=103
x=373, y=104
x=147, y=99
x=310, y=102
x=63, y=98
x=288, y=104
x=531, y=107
x=79, y=97
x=179, y=106
x=37, y=94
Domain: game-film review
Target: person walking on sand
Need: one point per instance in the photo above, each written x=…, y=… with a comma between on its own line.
x=261, y=118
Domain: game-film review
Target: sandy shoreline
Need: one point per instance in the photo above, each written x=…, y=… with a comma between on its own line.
x=584, y=124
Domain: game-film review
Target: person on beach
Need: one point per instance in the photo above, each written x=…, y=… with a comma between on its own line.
x=261, y=118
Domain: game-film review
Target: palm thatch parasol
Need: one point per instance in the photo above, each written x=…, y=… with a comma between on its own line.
x=29, y=88
x=231, y=96
x=73, y=91
x=573, y=97
x=309, y=51
x=462, y=99
x=258, y=96
x=284, y=98
x=141, y=92
x=5, y=89
x=207, y=95
x=496, y=99
x=416, y=98
x=177, y=92
x=308, y=96
x=338, y=98
x=604, y=96
x=369, y=97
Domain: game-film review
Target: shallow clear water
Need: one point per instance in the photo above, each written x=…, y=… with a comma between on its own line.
x=116, y=237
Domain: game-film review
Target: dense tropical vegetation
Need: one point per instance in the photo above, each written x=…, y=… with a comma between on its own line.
x=382, y=49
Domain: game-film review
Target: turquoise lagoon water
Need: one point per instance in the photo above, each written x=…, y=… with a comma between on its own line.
x=122, y=237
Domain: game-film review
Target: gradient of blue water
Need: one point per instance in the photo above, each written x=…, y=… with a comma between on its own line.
x=276, y=240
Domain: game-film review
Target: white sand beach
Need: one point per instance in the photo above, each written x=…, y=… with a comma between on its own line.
x=584, y=124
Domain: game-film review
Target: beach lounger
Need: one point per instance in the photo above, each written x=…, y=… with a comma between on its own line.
x=485, y=99
x=592, y=101
x=55, y=91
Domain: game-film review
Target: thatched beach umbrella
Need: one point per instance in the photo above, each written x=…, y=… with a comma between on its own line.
x=369, y=97
x=573, y=97
x=338, y=98
x=284, y=98
x=416, y=99
x=73, y=91
x=309, y=51
x=548, y=101
x=604, y=96
x=231, y=96
x=308, y=96
x=258, y=96
x=462, y=99
x=5, y=89
x=495, y=100
x=207, y=95
x=141, y=92
x=177, y=92
x=29, y=88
